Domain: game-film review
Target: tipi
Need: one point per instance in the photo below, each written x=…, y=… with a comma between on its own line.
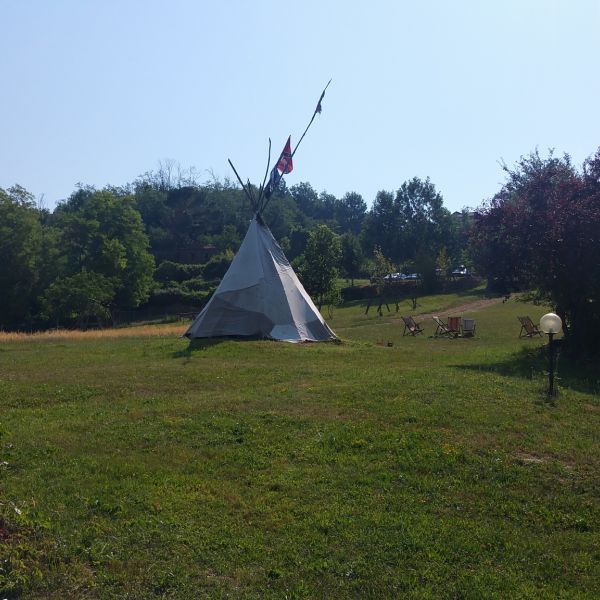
x=260, y=295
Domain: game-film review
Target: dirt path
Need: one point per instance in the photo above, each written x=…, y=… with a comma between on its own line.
x=463, y=308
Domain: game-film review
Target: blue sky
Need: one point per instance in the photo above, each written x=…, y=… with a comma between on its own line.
x=99, y=92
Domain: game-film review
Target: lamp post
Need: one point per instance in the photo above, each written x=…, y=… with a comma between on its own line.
x=551, y=324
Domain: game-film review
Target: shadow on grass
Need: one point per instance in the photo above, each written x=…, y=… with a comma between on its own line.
x=529, y=363
x=197, y=345
x=200, y=344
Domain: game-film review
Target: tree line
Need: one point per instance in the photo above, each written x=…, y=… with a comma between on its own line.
x=166, y=239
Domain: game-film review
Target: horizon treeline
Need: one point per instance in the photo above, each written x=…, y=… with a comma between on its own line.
x=166, y=239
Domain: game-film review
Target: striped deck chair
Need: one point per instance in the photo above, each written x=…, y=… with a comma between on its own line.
x=411, y=327
x=528, y=328
x=441, y=329
x=454, y=326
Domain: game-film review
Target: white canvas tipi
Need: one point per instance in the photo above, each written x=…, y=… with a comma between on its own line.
x=261, y=296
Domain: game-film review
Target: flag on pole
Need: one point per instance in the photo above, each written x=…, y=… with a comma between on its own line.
x=285, y=164
x=273, y=182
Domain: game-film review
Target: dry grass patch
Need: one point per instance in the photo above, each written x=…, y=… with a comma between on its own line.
x=170, y=330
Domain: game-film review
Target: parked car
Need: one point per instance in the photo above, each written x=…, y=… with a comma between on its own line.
x=460, y=271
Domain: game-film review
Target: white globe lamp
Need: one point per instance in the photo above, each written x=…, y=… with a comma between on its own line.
x=551, y=324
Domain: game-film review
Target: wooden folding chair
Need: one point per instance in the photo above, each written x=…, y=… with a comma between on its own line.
x=454, y=326
x=411, y=327
x=528, y=328
x=468, y=327
x=441, y=329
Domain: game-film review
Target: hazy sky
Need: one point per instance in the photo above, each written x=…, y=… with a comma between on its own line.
x=98, y=92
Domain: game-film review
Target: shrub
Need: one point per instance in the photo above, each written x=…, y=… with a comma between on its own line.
x=172, y=271
x=217, y=266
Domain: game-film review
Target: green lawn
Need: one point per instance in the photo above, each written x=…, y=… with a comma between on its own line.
x=428, y=468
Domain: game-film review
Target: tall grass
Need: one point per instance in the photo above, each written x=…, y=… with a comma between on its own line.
x=141, y=331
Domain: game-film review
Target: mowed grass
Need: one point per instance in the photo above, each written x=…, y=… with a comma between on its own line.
x=143, y=467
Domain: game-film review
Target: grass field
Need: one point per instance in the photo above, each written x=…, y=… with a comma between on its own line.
x=386, y=466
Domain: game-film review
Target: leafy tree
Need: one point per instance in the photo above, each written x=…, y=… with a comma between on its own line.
x=457, y=242
x=328, y=208
x=306, y=198
x=281, y=215
x=21, y=243
x=79, y=298
x=352, y=255
x=229, y=239
x=426, y=224
x=152, y=205
x=443, y=264
x=382, y=224
x=318, y=268
x=382, y=265
x=425, y=265
x=298, y=240
x=410, y=223
x=351, y=211
x=102, y=232
x=285, y=245
x=542, y=231
x=179, y=213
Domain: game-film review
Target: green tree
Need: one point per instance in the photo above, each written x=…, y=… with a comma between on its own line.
x=409, y=223
x=229, y=239
x=443, y=264
x=352, y=255
x=298, y=240
x=382, y=224
x=101, y=232
x=306, y=198
x=318, y=267
x=328, y=208
x=351, y=211
x=281, y=215
x=426, y=226
x=79, y=298
x=21, y=242
x=382, y=265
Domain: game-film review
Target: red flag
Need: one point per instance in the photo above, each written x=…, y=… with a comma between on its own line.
x=284, y=164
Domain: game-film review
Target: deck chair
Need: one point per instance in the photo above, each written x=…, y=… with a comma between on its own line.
x=411, y=327
x=442, y=328
x=528, y=328
x=468, y=327
x=454, y=326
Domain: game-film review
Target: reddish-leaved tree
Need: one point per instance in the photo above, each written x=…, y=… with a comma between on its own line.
x=542, y=232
